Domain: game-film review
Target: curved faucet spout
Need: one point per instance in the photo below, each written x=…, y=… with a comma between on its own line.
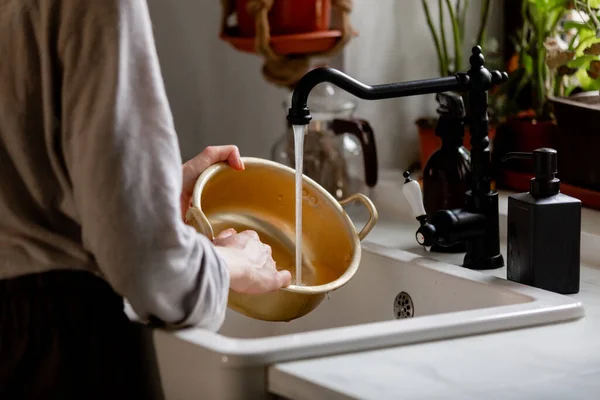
x=477, y=222
x=299, y=114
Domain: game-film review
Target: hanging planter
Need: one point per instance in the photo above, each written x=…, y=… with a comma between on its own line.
x=286, y=33
x=287, y=17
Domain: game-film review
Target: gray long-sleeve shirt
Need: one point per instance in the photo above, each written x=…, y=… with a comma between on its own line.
x=90, y=169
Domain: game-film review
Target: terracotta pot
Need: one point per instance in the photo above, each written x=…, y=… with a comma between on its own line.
x=429, y=142
x=530, y=134
x=288, y=17
x=577, y=140
x=519, y=182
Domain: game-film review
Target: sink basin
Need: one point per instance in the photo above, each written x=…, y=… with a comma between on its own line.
x=396, y=298
x=389, y=285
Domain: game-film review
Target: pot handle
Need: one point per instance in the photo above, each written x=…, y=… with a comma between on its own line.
x=373, y=215
x=196, y=218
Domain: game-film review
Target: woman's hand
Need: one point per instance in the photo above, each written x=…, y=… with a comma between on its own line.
x=251, y=266
x=194, y=167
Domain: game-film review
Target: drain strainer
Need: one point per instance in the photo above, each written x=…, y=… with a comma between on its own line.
x=403, y=306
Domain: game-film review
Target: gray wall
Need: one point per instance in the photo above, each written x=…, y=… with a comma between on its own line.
x=218, y=95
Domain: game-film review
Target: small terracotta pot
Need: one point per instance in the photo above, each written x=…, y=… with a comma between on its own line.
x=288, y=17
x=530, y=134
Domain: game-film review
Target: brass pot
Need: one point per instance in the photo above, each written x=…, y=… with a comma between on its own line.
x=262, y=198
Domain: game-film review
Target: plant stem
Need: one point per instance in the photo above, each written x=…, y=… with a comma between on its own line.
x=443, y=36
x=485, y=12
x=540, y=67
x=457, y=41
x=558, y=85
x=435, y=37
x=590, y=22
x=463, y=19
x=593, y=17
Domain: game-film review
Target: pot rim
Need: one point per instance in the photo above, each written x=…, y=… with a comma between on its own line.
x=567, y=100
x=253, y=161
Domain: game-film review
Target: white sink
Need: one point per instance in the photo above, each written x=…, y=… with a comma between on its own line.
x=386, y=288
x=447, y=301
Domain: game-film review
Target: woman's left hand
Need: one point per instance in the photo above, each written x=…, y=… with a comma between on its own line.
x=194, y=167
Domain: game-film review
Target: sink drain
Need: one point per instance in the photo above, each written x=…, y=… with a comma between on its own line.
x=403, y=306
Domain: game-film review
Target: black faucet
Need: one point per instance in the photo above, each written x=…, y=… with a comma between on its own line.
x=476, y=223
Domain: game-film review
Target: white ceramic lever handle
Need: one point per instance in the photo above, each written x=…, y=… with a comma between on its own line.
x=412, y=192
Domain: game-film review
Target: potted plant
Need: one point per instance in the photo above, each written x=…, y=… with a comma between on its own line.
x=522, y=103
x=449, y=47
x=574, y=64
x=552, y=98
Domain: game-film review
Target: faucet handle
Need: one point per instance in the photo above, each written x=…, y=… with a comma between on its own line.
x=499, y=77
x=426, y=234
x=412, y=191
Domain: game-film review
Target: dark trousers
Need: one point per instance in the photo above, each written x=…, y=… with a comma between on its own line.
x=64, y=335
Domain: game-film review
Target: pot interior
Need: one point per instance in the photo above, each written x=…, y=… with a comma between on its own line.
x=262, y=198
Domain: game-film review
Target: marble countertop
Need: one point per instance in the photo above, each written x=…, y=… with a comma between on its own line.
x=560, y=361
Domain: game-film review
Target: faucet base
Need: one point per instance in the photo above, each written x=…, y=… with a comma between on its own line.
x=483, y=251
x=483, y=263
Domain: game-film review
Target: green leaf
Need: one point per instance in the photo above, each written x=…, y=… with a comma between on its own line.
x=581, y=61
x=591, y=85
x=585, y=43
x=540, y=5
x=595, y=3
x=584, y=80
x=595, y=85
x=544, y=6
x=527, y=63
x=555, y=4
x=568, y=25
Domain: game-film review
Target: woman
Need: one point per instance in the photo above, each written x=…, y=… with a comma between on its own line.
x=92, y=195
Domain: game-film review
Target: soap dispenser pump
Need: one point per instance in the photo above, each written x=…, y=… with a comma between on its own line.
x=544, y=230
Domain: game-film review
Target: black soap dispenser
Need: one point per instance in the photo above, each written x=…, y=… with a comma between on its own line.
x=446, y=176
x=544, y=230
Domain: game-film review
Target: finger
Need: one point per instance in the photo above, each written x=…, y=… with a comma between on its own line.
x=270, y=283
x=211, y=155
x=276, y=282
x=269, y=250
x=226, y=233
x=235, y=160
x=214, y=154
x=250, y=234
x=284, y=278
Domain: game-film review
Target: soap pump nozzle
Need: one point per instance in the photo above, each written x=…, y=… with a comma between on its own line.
x=545, y=166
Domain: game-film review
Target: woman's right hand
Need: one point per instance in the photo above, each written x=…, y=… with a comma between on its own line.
x=252, y=269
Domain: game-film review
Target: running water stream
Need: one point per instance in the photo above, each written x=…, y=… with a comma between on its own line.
x=299, y=131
